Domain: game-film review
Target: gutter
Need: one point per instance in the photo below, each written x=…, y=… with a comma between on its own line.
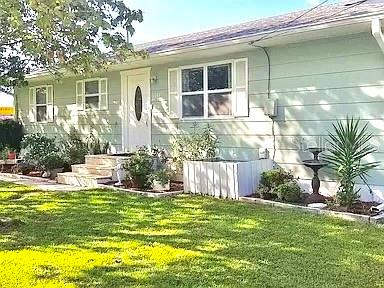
x=378, y=33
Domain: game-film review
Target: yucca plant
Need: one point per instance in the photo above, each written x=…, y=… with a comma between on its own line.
x=348, y=145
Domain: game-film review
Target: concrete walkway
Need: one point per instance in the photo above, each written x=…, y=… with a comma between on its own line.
x=39, y=183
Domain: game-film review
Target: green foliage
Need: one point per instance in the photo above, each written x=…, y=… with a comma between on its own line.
x=82, y=36
x=11, y=134
x=144, y=166
x=162, y=175
x=272, y=178
x=199, y=145
x=139, y=168
x=96, y=147
x=271, y=181
x=74, y=148
x=43, y=151
x=52, y=161
x=4, y=153
x=37, y=147
x=289, y=192
x=348, y=146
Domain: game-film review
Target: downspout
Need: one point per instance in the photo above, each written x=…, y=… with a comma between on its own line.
x=378, y=33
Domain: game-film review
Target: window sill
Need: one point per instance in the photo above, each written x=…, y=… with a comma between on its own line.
x=217, y=118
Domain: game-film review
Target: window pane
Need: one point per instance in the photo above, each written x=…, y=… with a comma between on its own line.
x=92, y=87
x=41, y=95
x=219, y=104
x=41, y=113
x=192, y=79
x=193, y=105
x=92, y=102
x=220, y=77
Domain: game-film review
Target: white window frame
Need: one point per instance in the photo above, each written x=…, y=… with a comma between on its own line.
x=98, y=79
x=42, y=105
x=205, y=90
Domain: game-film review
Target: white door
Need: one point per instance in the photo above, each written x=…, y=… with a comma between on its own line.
x=139, y=111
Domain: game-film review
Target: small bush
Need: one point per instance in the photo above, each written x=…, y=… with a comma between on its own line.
x=37, y=147
x=201, y=144
x=75, y=148
x=139, y=168
x=52, y=161
x=96, y=147
x=289, y=192
x=11, y=134
x=275, y=177
x=162, y=176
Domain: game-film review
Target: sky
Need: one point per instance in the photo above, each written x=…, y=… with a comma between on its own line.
x=168, y=18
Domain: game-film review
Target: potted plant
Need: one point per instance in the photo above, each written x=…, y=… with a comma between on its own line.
x=11, y=155
x=139, y=168
x=162, y=179
x=52, y=164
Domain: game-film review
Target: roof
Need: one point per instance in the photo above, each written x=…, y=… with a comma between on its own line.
x=290, y=21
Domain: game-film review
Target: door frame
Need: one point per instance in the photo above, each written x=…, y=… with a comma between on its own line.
x=146, y=72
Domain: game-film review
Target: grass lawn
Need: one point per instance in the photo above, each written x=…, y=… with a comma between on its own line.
x=108, y=239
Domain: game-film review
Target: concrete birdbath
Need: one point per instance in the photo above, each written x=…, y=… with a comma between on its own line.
x=315, y=164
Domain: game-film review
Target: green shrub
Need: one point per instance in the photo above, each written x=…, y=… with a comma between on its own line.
x=348, y=147
x=52, y=161
x=199, y=145
x=139, y=168
x=37, y=147
x=275, y=177
x=95, y=146
x=288, y=192
x=11, y=134
x=75, y=148
x=162, y=176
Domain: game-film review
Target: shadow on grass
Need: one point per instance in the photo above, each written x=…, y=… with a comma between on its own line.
x=128, y=241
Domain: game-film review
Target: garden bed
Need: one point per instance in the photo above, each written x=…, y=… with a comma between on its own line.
x=329, y=211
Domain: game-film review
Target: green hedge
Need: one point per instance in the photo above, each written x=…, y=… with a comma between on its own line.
x=11, y=134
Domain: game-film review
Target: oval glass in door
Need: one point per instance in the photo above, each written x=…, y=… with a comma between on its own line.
x=138, y=103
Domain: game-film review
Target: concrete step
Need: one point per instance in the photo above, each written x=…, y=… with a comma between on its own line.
x=84, y=180
x=93, y=169
x=104, y=160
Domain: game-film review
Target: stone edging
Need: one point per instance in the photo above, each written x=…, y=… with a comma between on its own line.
x=25, y=177
x=343, y=215
x=142, y=193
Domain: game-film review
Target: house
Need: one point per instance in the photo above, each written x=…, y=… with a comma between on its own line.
x=307, y=69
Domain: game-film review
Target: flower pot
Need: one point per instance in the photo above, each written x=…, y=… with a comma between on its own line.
x=11, y=155
x=159, y=187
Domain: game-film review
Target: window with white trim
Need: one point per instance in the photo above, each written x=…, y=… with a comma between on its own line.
x=41, y=103
x=206, y=90
x=91, y=94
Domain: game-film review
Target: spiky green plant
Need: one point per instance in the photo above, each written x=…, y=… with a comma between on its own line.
x=349, y=144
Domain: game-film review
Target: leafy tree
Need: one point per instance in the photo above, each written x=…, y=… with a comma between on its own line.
x=80, y=36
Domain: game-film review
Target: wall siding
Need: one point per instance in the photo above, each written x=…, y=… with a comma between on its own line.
x=316, y=83
x=104, y=124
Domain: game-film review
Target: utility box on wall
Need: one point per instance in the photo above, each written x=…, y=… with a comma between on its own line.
x=270, y=108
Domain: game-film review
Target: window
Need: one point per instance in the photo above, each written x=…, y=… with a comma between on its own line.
x=41, y=104
x=206, y=91
x=209, y=90
x=91, y=94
